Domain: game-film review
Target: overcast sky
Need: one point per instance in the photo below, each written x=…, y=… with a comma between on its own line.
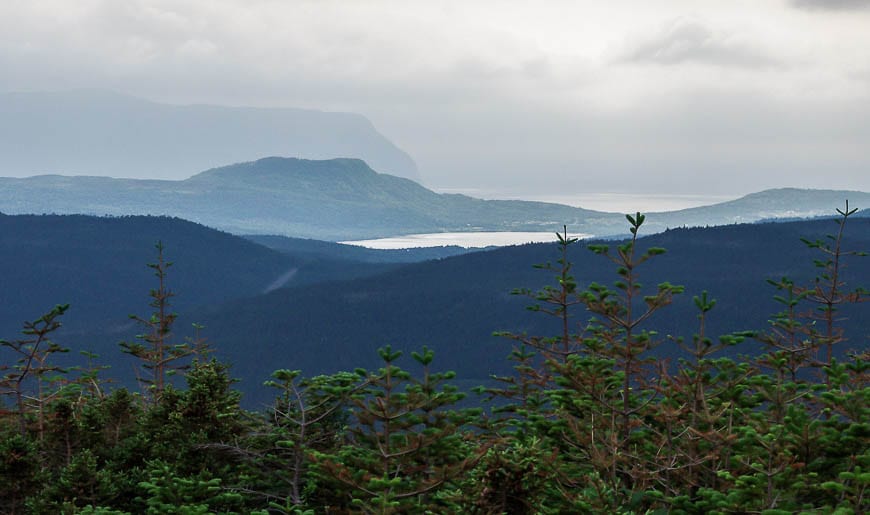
x=538, y=97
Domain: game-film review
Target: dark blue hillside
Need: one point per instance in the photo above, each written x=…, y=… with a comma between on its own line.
x=98, y=266
x=453, y=305
x=340, y=310
x=331, y=250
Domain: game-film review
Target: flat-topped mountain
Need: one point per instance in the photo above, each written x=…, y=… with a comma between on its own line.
x=93, y=132
x=345, y=199
x=328, y=200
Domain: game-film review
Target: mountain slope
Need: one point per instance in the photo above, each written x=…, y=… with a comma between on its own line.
x=98, y=265
x=453, y=305
x=315, y=249
x=332, y=313
x=344, y=199
x=770, y=204
x=334, y=199
x=102, y=133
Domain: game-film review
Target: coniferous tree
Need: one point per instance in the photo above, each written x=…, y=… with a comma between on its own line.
x=309, y=415
x=159, y=356
x=33, y=366
x=406, y=445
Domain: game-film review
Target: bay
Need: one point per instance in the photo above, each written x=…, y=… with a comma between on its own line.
x=604, y=201
x=460, y=239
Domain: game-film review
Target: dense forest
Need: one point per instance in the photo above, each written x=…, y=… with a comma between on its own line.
x=590, y=419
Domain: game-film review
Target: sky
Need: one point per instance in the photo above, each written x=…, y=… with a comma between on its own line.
x=502, y=97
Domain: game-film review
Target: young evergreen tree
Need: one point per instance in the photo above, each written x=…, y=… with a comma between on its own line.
x=159, y=356
x=309, y=416
x=692, y=424
x=406, y=445
x=34, y=351
x=20, y=471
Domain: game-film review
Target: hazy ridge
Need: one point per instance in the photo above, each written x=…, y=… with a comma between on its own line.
x=344, y=199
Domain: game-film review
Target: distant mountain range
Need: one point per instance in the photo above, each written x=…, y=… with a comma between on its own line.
x=321, y=307
x=344, y=199
x=94, y=132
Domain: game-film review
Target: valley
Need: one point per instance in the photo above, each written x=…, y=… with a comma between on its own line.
x=336, y=304
x=401, y=258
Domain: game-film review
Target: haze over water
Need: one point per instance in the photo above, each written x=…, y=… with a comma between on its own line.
x=610, y=202
x=460, y=239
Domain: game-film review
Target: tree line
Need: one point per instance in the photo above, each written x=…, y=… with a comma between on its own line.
x=589, y=421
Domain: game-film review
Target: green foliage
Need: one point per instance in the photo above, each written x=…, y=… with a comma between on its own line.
x=705, y=435
x=590, y=421
x=83, y=482
x=159, y=357
x=406, y=445
x=20, y=471
x=165, y=492
x=308, y=415
x=33, y=351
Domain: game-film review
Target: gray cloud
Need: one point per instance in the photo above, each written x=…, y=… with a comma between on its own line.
x=688, y=40
x=861, y=75
x=711, y=141
x=498, y=93
x=831, y=5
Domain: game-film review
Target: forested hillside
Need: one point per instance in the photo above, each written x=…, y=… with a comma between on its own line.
x=98, y=266
x=324, y=312
x=453, y=305
x=589, y=414
x=318, y=249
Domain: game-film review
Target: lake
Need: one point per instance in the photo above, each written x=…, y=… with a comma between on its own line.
x=613, y=202
x=460, y=239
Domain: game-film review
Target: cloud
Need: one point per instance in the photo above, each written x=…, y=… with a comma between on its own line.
x=689, y=40
x=501, y=92
x=831, y=5
x=713, y=140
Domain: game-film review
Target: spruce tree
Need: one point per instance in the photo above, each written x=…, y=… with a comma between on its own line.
x=155, y=350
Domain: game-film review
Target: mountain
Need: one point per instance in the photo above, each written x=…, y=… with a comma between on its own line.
x=780, y=203
x=264, y=310
x=453, y=305
x=343, y=199
x=332, y=199
x=92, y=132
x=98, y=265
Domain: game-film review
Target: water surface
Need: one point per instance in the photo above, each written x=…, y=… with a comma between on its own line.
x=611, y=202
x=460, y=239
